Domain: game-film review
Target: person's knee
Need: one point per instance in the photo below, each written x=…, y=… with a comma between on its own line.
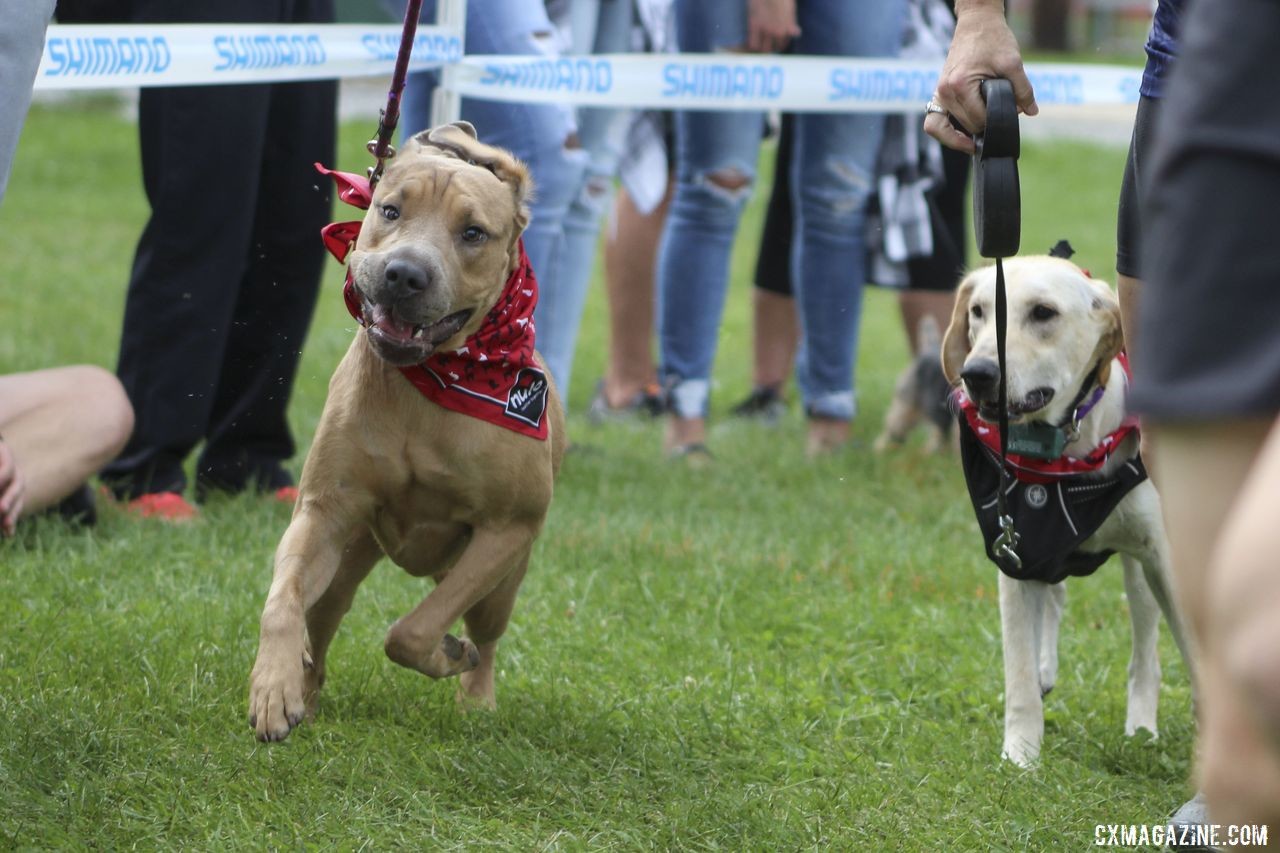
x=730, y=181
x=107, y=407
x=835, y=190
x=713, y=197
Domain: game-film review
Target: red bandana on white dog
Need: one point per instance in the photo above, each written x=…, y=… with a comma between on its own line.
x=493, y=376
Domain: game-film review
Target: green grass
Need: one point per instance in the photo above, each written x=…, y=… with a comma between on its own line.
x=772, y=654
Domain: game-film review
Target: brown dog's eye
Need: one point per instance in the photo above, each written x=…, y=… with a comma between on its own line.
x=390, y=211
x=976, y=311
x=473, y=234
x=1043, y=313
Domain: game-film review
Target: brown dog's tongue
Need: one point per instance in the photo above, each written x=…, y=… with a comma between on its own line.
x=390, y=326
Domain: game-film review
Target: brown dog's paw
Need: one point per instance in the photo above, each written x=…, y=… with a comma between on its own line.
x=451, y=656
x=276, y=697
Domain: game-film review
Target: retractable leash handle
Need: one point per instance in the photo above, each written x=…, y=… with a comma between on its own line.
x=997, y=222
x=997, y=198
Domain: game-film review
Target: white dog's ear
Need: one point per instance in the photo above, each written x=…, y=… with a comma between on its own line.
x=1111, y=340
x=955, y=344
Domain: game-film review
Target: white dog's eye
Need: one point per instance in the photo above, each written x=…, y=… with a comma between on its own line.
x=472, y=234
x=390, y=211
x=976, y=311
x=1043, y=313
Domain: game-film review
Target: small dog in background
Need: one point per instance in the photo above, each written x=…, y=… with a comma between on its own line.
x=921, y=395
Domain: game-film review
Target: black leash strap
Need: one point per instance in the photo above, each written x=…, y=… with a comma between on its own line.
x=380, y=146
x=997, y=218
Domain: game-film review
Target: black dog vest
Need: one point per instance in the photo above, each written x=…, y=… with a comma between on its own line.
x=1052, y=519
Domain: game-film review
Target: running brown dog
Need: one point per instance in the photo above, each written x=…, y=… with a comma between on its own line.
x=401, y=464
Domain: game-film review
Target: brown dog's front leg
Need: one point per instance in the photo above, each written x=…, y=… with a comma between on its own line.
x=419, y=640
x=306, y=560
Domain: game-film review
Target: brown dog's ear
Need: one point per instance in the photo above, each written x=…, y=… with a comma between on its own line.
x=1111, y=340
x=460, y=140
x=955, y=343
x=466, y=127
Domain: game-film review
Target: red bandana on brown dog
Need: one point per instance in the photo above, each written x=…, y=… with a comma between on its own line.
x=493, y=376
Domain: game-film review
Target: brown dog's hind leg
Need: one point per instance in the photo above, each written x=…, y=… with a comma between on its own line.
x=324, y=617
x=419, y=640
x=486, y=623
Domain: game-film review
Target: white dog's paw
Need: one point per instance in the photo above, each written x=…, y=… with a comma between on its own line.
x=1022, y=749
x=1134, y=722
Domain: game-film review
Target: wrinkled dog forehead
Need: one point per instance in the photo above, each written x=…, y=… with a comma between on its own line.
x=458, y=142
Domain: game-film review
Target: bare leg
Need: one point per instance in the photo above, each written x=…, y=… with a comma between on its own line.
x=1242, y=707
x=915, y=304
x=630, y=257
x=1201, y=469
x=777, y=334
x=62, y=424
x=1129, y=290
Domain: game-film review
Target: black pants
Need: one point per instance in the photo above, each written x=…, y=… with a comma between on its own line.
x=227, y=270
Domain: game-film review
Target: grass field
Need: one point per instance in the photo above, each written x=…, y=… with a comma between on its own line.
x=772, y=654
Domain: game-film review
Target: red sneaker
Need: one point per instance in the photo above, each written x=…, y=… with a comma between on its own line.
x=166, y=506
x=286, y=495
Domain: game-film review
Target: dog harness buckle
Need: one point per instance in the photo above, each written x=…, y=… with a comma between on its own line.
x=1006, y=542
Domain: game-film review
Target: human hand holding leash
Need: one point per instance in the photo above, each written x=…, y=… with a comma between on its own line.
x=983, y=47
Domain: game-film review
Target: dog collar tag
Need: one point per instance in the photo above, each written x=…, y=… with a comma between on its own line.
x=1038, y=440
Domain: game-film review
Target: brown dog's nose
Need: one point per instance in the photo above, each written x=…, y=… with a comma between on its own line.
x=405, y=278
x=980, y=378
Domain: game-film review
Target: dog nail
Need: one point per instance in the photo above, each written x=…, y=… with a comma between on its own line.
x=473, y=655
x=253, y=721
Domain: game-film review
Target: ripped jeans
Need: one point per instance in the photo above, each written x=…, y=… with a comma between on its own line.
x=567, y=204
x=832, y=175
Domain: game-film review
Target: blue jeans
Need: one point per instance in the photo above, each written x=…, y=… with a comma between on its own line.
x=832, y=175
x=573, y=186
x=21, y=46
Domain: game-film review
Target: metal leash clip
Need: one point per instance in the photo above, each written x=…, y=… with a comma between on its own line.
x=1006, y=542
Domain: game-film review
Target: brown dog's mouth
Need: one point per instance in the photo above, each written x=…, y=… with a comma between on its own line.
x=419, y=339
x=1035, y=400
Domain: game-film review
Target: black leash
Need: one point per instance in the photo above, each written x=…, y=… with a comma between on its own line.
x=997, y=218
x=380, y=146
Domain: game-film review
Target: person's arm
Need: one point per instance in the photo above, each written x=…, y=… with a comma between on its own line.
x=12, y=489
x=771, y=25
x=983, y=47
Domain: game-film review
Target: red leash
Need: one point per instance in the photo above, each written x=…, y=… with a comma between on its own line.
x=380, y=146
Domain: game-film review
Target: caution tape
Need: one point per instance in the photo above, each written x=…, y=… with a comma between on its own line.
x=123, y=56
x=85, y=57
x=741, y=82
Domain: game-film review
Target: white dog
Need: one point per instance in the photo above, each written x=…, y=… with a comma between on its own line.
x=1079, y=458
